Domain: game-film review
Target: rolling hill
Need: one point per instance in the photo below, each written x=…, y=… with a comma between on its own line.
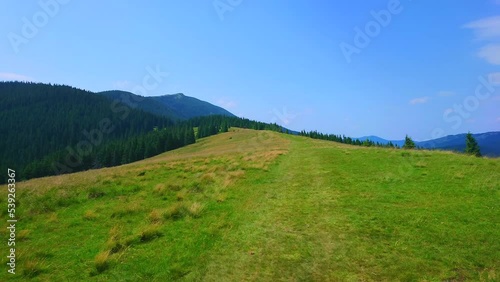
x=175, y=106
x=263, y=206
x=51, y=129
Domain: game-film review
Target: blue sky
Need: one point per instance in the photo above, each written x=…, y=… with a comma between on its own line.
x=425, y=68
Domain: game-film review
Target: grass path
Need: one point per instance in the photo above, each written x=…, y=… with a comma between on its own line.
x=320, y=215
x=262, y=206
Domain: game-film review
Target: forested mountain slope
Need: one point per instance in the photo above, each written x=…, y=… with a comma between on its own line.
x=39, y=119
x=175, y=106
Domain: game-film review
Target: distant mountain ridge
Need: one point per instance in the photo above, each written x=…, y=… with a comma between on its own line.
x=175, y=106
x=489, y=142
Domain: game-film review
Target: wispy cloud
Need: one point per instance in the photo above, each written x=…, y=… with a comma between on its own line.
x=486, y=28
x=8, y=76
x=421, y=100
x=490, y=53
x=446, y=93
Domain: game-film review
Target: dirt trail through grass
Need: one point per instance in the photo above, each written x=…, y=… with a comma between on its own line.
x=261, y=206
x=329, y=212
x=290, y=230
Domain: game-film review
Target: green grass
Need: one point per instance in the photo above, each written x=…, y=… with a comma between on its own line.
x=250, y=205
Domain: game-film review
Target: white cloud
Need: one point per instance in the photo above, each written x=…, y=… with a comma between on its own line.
x=448, y=111
x=421, y=100
x=8, y=76
x=446, y=93
x=122, y=84
x=494, y=78
x=490, y=53
x=486, y=28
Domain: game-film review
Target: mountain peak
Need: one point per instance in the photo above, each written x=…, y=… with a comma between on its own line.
x=178, y=95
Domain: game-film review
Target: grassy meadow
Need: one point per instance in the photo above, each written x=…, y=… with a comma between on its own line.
x=261, y=206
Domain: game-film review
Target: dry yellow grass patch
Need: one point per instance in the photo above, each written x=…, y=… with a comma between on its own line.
x=208, y=178
x=175, y=211
x=181, y=195
x=195, y=209
x=90, y=215
x=155, y=216
x=127, y=208
x=32, y=268
x=23, y=234
x=53, y=218
x=101, y=261
x=114, y=244
x=220, y=197
x=159, y=189
x=150, y=232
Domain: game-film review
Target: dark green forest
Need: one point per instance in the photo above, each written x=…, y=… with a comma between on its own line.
x=54, y=129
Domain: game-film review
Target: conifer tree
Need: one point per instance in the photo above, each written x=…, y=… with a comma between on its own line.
x=409, y=144
x=471, y=146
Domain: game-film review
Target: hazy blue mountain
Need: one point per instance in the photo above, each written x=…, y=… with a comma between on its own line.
x=176, y=106
x=489, y=143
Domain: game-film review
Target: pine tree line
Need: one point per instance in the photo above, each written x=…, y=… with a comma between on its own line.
x=211, y=125
x=345, y=140
x=138, y=147
x=113, y=153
